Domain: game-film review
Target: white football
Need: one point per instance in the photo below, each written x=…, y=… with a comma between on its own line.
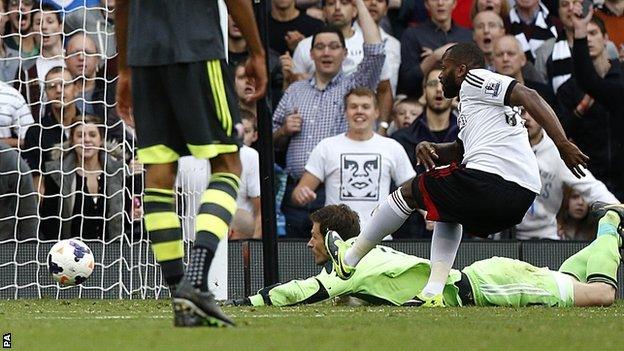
x=70, y=262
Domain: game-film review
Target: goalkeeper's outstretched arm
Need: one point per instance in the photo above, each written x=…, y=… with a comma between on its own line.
x=295, y=292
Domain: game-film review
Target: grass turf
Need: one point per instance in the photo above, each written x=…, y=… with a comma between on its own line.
x=147, y=325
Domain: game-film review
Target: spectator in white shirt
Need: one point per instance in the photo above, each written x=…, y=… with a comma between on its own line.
x=378, y=10
x=15, y=116
x=358, y=166
x=247, y=223
x=540, y=221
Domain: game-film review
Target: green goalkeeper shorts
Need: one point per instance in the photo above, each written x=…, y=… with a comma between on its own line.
x=501, y=281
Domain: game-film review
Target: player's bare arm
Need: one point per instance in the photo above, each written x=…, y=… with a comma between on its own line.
x=437, y=154
x=124, y=93
x=546, y=117
x=242, y=13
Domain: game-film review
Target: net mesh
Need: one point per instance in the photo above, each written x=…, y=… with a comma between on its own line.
x=63, y=174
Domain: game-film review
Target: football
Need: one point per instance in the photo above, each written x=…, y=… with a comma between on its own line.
x=70, y=262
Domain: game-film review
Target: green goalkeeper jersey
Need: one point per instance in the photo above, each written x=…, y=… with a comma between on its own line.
x=383, y=276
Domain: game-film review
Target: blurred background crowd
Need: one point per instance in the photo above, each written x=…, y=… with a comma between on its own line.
x=67, y=163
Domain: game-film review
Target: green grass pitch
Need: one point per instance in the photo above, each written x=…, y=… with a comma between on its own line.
x=147, y=325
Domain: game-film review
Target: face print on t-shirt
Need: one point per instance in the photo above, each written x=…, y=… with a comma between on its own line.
x=360, y=176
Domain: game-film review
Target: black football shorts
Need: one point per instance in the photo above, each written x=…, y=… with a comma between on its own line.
x=185, y=109
x=484, y=203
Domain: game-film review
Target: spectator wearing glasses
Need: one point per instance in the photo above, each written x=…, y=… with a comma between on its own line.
x=340, y=13
x=59, y=112
x=438, y=123
x=313, y=109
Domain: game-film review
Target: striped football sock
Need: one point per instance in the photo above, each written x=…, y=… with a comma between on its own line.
x=216, y=211
x=163, y=226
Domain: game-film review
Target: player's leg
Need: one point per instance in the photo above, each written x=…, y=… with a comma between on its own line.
x=158, y=148
x=593, y=294
x=451, y=196
x=208, y=119
x=218, y=205
x=387, y=218
x=507, y=282
x=599, y=261
x=501, y=281
x=425, y=191
x=444, y=244
x=162, y=222
x=596, y=265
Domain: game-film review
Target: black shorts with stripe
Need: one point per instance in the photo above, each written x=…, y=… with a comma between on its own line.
x=184, y=109
x=484, y=203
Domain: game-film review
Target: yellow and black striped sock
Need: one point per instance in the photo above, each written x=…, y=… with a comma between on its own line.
x=163, y=225
x=216, y=211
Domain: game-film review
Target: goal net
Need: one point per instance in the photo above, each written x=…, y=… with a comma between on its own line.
x=63, y=174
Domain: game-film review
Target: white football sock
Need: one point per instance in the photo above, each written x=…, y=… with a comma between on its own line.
x=444, y=245
x=387, y=218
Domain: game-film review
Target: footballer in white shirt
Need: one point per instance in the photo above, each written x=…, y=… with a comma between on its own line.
x=485, y=181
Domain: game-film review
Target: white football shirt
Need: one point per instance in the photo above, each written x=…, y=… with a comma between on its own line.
x=495, y=139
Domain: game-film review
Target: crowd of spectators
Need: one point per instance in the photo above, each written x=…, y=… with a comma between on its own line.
x=353, y=89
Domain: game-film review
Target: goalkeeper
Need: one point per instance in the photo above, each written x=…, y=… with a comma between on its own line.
x=387, y=276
